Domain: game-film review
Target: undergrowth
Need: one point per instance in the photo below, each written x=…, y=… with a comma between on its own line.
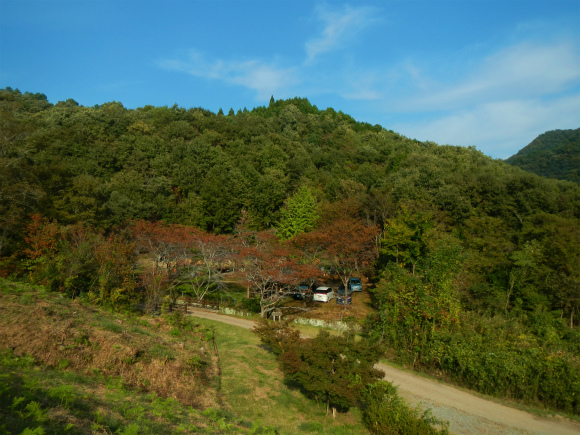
x=70, y=367
x=36, y=399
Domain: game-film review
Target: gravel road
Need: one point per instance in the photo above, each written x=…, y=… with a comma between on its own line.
x=467, y=414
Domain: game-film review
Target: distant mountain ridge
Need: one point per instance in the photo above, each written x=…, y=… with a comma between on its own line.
x=554, y=154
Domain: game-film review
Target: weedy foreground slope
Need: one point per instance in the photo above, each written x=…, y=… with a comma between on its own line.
x=69, y=367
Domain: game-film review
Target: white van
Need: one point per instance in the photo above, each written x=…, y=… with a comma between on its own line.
x=323, y=294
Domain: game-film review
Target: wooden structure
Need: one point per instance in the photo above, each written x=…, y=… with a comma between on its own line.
x=277, y=315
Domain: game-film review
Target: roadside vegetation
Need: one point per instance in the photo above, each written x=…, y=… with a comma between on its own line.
x=339, y=370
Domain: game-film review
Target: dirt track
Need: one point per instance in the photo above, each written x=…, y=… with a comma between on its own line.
x=466, y=413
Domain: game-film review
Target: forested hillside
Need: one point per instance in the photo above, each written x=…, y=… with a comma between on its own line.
x=554, y=154
x=476, y=262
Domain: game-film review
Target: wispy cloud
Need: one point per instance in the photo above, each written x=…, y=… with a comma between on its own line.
x=501, y=128
x=269, y=77
x=265, y=78
x=339, y=28
x=517, y=92
x=519, y=71
x=491, y=101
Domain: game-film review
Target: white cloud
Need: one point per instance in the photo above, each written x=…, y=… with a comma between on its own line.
x=520, y=71
x=340, y=26
x=500, y=105
x=264, y=78
x=500, y=128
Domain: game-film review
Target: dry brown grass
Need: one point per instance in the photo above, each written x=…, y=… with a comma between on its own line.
x=68, y=334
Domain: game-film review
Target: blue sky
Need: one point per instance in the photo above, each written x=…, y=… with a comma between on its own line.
x=489, y=73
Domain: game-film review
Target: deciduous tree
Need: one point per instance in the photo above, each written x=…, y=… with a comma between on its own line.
x=332, y=369
x=270, y=269
x=346, y=245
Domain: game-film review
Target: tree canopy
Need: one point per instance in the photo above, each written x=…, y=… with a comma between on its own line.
x=554, y=154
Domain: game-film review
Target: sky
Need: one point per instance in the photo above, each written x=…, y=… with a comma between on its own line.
x=493, y=74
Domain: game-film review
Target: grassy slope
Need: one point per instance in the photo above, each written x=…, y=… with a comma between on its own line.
x=67, y=367
x=253, y=386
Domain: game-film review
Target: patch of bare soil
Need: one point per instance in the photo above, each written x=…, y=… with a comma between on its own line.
x=149, y=355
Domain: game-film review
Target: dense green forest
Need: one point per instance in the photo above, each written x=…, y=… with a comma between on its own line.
x=554, y=154
x=477, y=265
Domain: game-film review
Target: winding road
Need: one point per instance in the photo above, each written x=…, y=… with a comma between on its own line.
x=467, y=414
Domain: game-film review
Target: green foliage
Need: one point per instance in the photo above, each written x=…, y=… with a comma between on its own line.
x=505, y=358
x=300, y=214
x=385, y=413
x=419, y=316
x=554, y=154
x=402, y=240
x=252, y=305
x=161, y=352
x=131, y=429
x=311, y=426
x=495, y=356
x=413, y=305
x=37, y=431
x=37, y=400
x=467, y=232
x=333, y=369
x=112, y=326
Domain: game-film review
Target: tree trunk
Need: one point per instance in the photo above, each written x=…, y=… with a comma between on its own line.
x=509, y=292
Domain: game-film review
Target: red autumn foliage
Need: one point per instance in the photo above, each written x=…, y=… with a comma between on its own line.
x=345, y=244
x=270, y=269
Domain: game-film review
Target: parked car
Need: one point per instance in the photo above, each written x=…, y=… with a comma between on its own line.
x=303, y=292
x=343, y=297
x=323, y=294
x=354, y=284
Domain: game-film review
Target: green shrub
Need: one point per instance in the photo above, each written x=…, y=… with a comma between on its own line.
x=311, y=426
x=26, y=299
x=251, y=305
x=518, y=358
x=111, y=326
x=385, y=413
x=179, y=321
x=161, y=352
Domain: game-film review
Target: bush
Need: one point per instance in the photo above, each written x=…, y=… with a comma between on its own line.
x=502, y=357
x=311, y=426
x=385, y=413
x=252, y=305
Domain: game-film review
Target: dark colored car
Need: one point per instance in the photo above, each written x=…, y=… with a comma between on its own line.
x=354, y=284
x=303, y=292
x=343, y=297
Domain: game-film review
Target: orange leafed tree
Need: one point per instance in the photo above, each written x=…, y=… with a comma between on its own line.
x=270, y=269
x=345, y=244
x=182, y=256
